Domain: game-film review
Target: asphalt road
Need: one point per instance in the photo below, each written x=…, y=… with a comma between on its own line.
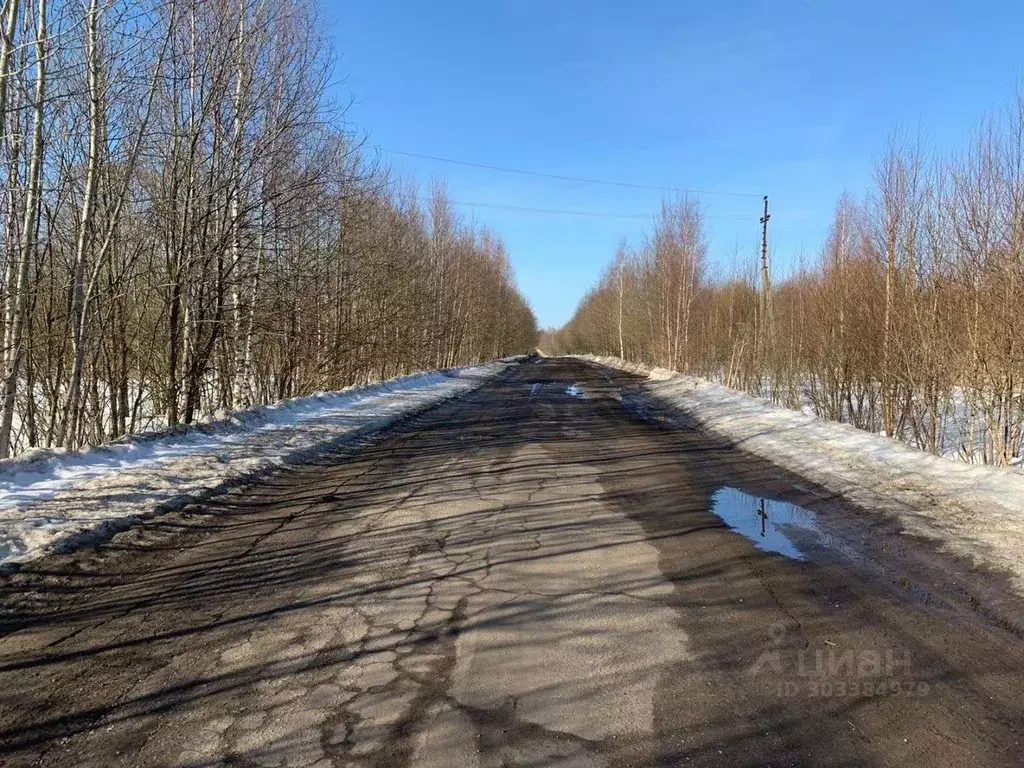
x=528, y=576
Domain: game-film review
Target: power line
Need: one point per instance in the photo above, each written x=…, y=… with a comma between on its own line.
x=564, y=178
x=595, y=214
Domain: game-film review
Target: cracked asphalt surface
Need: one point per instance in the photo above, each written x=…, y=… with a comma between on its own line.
x=525, y=576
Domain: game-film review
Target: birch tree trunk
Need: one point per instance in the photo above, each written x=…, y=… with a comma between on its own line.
x=28, y=243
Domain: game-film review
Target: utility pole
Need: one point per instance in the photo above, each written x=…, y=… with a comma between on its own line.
x=765, y=282
x=764, y=245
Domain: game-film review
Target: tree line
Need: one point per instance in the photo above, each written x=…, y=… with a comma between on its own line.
x=189, y=225
x=907, y=322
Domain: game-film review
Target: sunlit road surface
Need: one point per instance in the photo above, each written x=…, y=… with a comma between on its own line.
x=528, y=576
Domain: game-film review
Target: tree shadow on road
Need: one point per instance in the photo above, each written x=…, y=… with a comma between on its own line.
x=289, y=597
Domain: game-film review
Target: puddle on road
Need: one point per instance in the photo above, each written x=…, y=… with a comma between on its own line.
x=797, y=533
x=764, y=521
x=573, y=390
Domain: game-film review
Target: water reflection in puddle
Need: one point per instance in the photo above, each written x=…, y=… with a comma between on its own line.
x=764, y=521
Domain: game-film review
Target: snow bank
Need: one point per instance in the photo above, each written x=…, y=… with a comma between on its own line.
x=972, y=510
x=52, y=499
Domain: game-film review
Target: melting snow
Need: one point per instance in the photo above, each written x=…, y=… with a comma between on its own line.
x=57, y=499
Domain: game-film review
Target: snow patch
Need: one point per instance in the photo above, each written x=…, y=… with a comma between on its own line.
x=55, y=499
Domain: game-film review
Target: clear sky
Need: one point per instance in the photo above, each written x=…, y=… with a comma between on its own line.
x=790, y=99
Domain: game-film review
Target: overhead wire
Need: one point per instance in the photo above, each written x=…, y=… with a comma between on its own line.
x=595, y=214
x=562, y=177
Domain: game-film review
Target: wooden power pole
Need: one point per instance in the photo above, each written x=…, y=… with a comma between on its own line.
x=764, y=245
x=766, y=286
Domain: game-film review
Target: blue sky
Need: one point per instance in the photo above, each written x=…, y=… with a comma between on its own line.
x=790, y=99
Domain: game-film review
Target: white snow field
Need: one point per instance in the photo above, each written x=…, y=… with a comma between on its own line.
x=971, y=510
x=51, y=499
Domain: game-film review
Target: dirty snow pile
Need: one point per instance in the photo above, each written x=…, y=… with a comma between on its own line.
x=59, y=499
x=973, y=510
